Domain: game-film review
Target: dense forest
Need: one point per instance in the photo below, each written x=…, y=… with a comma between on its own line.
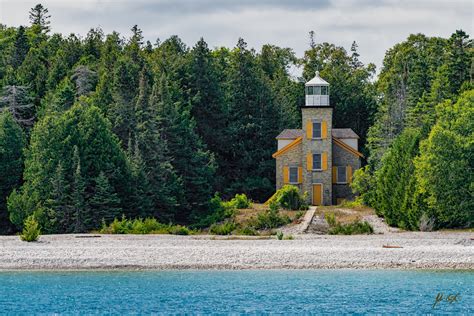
x=98, y=127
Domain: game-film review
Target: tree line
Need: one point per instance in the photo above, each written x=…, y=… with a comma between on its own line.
x=421, y=145
x=95, y=127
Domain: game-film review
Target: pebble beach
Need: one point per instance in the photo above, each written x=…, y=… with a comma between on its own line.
x=413, y=250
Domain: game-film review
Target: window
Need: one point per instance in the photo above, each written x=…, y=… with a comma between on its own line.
x=317, y=165
x=316, y=129
x=309, y=90
x=324, y=90
x=317, y=90
x=341, y=175
x=293, y=174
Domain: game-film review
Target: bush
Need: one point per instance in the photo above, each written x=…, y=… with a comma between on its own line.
x=426, y=223
x=298, y=215
x=247, y=231
x=354, y=228
x=140, y=226
x=289, y=197
x=279, y=235
x=240, y=201
x=222, y=229
x=31, y=230
x=271, y=218
x=220, y=211
x=331, y=219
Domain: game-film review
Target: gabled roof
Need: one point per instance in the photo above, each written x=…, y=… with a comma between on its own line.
x=344, y=133
x=347, y=147
x=290, y=134
x=288, y=147
x=317, y=81
x=336, y=132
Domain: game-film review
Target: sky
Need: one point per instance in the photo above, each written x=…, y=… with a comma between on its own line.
x=374, y=25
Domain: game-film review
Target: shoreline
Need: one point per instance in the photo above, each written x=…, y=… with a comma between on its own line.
x=421, y=251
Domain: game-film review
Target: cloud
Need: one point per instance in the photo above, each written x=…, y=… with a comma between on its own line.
x=376, y=25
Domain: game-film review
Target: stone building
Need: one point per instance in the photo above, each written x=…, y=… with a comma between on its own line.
x=318, y=158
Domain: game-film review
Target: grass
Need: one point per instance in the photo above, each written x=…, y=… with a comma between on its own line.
x=346, y=221
x=143, y=226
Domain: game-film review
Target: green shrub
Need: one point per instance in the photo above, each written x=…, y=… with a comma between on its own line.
x=219, y=211
x=271, y=218
x=288, y=237
x=247, y=231
x=222, y=229
x=331, y=219
x=354, y=228
x=289, y=197
x=31, y=230
x=279, y=235
x=298, y=215
x=178, y=230
x=240, y=201
x=140, y=226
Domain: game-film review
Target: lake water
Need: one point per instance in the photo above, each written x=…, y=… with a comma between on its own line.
x=222, y=292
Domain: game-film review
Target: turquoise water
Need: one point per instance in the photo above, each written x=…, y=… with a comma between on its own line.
x=222, y=292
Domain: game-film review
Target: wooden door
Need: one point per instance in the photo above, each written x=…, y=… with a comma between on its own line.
x=317, y=194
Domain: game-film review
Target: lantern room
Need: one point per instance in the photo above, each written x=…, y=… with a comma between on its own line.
x=317, y=91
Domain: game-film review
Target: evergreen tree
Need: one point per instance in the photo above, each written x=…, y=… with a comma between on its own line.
x=82, y=220
x=20, y=47
x=193, y=163
x=17, y=101
x=444, y=167
x=163, y=186
x=39, y=18
x=12, y=142
x=104, y=203
x=59, y=215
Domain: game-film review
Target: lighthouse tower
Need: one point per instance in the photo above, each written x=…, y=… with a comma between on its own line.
x=317, y=141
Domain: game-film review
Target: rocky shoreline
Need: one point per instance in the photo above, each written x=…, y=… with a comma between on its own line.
x=435, y=250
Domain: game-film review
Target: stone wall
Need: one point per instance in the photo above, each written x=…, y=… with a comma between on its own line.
x=317, y=146
x=290, y=158
x=342, y=157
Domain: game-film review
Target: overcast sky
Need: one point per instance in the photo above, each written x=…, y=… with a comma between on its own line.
x=374, y=25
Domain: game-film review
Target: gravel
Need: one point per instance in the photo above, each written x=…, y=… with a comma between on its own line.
x=421, y=250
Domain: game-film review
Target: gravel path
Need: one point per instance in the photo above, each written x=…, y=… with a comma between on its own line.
x=420, y=250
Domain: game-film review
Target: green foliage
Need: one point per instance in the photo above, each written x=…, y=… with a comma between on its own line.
x=247, y=231
x=394, y=190
x=219, y=211
x=31, y=230
x=279, y=235
x=12, y=142
x=241, y=201
x=444, y=167
x=271, y=218
x=225, y=228
x=364, y=185
x=289, y=197
x=331, y=219
x=140, y=226
x=354, y=228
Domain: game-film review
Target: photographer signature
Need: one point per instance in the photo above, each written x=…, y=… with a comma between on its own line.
x=450, y=298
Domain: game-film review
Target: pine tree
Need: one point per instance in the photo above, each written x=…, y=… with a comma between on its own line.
x=104, y=203
x=59, y=216
x=81, y=219
x=192, y=162
x=12, y=142
x=17, y=101
x=163, y=185
x=39, y=19
x=20, y=47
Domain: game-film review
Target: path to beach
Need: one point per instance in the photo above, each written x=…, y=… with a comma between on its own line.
x=436, y=250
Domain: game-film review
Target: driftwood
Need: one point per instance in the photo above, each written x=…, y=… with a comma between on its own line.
x=391, y=246
x=88, y=236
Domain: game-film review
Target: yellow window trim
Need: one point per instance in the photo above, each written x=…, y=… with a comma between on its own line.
x=347, y=147
x=288, y=147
